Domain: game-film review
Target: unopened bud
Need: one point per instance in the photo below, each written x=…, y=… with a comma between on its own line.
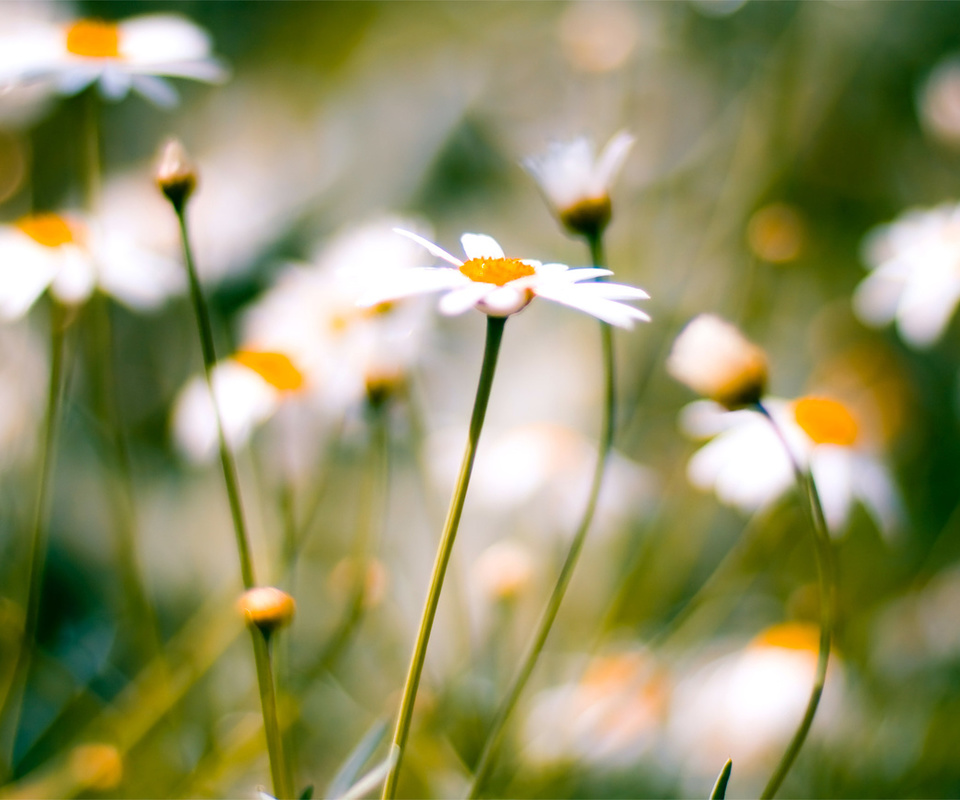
x=588, y=217
x=267, y=607
x=176, y=174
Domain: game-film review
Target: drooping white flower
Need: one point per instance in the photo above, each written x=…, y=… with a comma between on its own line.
x=915, y=277
x=577, y=183
x=135, y=54
x=746, y=465
x=501, y=286
x=715, y=360
x=74, y=257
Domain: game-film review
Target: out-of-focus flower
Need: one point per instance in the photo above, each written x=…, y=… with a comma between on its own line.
x=746, y=705
x=176, y=174
x=504, y=569
x=939, y=102
x=577, y=184
x=714, y=359
x=597, y=36
x=746, y=465
x=74, y=257
x=267, y=607
x=96, y=767
x=500, y=286
x=915, y=278
x=249, y=388
x=611, y=716
x=117, y=56
x=775, y=233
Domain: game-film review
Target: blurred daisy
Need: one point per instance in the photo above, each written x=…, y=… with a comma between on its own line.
x=915, y=278
x=136, y=54
x=715, y=360
x=746, y=466
x=612, y=715
x=249, y=388
x=501, y=286
x=74, y=257
x=746, y=705
x=577, y=183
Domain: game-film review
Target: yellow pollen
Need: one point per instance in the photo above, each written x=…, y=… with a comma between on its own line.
x=498, y=271
x=790, y=636
x=826, y=421
x=275, y=368
x=93, y=38
x=50, y=230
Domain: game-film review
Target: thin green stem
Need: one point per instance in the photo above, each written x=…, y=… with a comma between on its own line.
x=535, y=648
x=10, y=709
x=279, y=768
x=826, y=570
x=495, y=327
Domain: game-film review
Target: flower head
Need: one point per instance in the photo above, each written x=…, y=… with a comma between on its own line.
x=915, y=277
x=500, y=286
x=714, y=359
x=267, y=607
x=74, y=256
x=577, y=184
x=117, y=56
x=746, y=465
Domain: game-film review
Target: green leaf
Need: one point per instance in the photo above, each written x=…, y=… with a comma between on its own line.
x=307, y=793
x=347, y=774
x=720, y=787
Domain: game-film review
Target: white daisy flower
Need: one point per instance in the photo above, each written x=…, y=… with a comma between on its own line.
x=137, y=54
x=501, y=286
x=249, y=388
x=715, y=360
x=74, y=257
x=746, y=466
x=915, y=278
x=577, y=183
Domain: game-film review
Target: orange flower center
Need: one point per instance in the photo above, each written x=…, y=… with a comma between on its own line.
x=94, y=38
x=275, y=368
x=498, y=271
x=790, y=636
x=50, y=230
x=826, y=421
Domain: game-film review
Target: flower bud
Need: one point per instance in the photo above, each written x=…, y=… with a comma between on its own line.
x=267, y=607
x=715, y=360
x=176, y=175
x=97, y=767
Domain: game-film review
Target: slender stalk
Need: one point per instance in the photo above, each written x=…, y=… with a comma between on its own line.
x=12, y=699
x=495, y=327
x=279, y=768
x=490, y=747
x=826, y=570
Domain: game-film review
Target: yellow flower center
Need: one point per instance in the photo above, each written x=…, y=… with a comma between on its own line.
x=790, y=636
x=826, y=421
x=94, y=38
x=275, y=368
x=50, y=230
x=498, y=271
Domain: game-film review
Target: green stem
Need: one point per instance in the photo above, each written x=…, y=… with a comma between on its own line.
x=495, y=327
x=490, y=747
x=826, y=570
x=11, y=703
x=279, y=769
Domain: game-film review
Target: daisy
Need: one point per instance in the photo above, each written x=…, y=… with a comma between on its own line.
x=746, y=466
x=501, y=286
x=73, y=257
x=915, y=277
x=117, y=56
x=576, y=183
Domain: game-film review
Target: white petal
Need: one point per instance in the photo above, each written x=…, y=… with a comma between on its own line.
x=610, y=311
x=832, y=468
x=584, y=274
x=26, y=269
x=611, y=159
x=876, y=299
x=465, y=297
x=927, y=305
x=505, y=300
x=409, y=282
x=77, y=277
x=479, y=245
x=158, y=91
x=114, y=83
x=435, y=249
x=140, y=279
x=878, y=493
x=76, y=79
x=153, y=39
x=613, y=291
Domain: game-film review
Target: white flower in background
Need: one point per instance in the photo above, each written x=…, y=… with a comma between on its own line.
x=746, y=705
x=612, y=715
x=249, y=388
x=74, y=257
x=23, y=385
x=915, y=277
x=715, y=360
x=504, y=570
x=577, y=183
x=500, y=286
x=939, y=102
x=746, y=465
x=137, y=53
